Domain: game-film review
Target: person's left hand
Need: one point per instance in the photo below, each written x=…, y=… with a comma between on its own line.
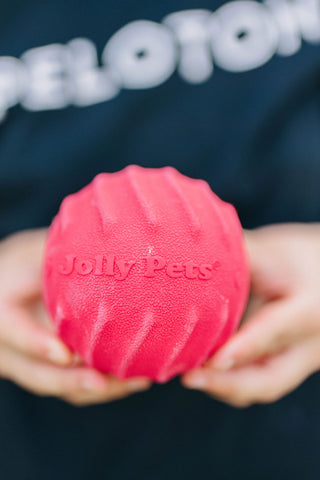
x=278, y=345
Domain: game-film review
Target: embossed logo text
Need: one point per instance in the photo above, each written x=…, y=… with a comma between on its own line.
x=113, y=266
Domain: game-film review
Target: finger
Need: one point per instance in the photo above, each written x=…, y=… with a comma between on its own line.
x=45, y=379
x=20, y=331
x=116, y=390
x=77, y=360
x=260, y=383
x=274, y=327
x=268, y=281
x=80, y=385
x=22, y=265
x=40, y=315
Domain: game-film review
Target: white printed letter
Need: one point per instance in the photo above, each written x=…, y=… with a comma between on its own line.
x=91, y=83
x=189, y=26
x=12, y=82
x=142, y=54
x=48, y=81
x=288, y=26
x=243, y=35
x=308, y=17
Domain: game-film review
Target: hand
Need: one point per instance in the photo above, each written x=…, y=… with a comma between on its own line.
x=31, y=355
x=278, y=345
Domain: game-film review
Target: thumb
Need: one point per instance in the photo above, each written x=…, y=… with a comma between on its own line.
x=20, y=331
x=272, y=328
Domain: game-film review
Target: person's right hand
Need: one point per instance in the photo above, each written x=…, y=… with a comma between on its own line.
x=31, y=355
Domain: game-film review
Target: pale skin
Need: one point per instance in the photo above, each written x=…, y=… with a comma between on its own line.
x=31, y=354
x=276, y=348
x=278, y=344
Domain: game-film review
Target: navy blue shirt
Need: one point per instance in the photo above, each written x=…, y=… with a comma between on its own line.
x=229, y=94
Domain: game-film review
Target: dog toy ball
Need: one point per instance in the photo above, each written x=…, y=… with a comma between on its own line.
x=145, y=272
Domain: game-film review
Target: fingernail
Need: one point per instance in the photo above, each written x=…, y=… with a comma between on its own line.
x=136, y=385
x=58, y=354
x=223, y=363
x=88, y=385
x=94, y=385
x=76, y=360
x=196, y=381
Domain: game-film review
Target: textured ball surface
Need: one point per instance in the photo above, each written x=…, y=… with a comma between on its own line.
x=145, y=272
